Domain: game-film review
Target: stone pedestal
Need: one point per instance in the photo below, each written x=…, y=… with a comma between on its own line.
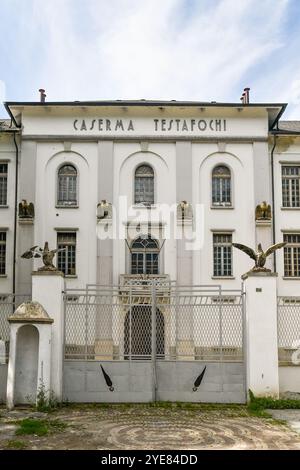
x=261, y=333
x=47, y=288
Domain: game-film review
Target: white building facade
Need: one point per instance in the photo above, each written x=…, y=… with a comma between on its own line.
x=219, y=161
x=129, y=191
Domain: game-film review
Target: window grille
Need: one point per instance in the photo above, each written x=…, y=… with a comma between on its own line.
x=292, y=255
x=3, y=184
x=222, y=251
x=2, y=253
x=144, y=256
x=66, y=259
x=290, y=186
x=144, y=185
x=67, y=186
x=221, y=186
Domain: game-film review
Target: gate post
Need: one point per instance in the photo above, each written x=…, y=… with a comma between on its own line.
x=153, y=340
x=260, y=289
x=47, y=289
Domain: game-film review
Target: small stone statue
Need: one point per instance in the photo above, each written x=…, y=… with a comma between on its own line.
x=259, y=256
x=104, y=210
x=184, y=211
x=263, y=211
x=46, y=254
x=26, y=210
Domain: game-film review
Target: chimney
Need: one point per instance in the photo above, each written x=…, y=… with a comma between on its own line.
x=246, y=93
x=42, y=95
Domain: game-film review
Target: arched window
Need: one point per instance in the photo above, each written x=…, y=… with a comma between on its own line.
x=67, y=186
x=144, y=185
x=221, y=186
x=144, y=256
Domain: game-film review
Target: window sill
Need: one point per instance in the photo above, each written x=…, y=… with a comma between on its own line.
x=290, y=208
x=142, y=206
x=4, y=207
x=67, y=207
x=223, y=277
x=291, y=278
x=222, y=207
x=71, y=276
x=3, y=276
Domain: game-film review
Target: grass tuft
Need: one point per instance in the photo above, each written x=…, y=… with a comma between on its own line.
x=39, y=427
x=258, y=405
x=16, y=445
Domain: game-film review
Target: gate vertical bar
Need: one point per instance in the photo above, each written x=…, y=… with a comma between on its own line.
x=64, y=342
x=244, y=338
x=130, y=324
x=176, y=322
x=220, y=325
x=153, y=340
x=86, y=335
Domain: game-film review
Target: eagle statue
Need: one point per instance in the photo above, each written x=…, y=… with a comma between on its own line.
x=44, y=253
x=263, y=211
x=259, y=256
x=26, y=210
x=104, y=210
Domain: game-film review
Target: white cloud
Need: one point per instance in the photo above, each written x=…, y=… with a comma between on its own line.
x=151, y=48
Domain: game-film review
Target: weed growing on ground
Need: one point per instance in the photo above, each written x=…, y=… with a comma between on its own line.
x=39, y=427
x=258, y=405
x=16, y=445
x=46, y=400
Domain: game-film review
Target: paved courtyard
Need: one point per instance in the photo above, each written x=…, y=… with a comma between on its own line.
x=114, y=427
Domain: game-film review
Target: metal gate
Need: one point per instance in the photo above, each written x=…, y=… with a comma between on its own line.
x=149, y=341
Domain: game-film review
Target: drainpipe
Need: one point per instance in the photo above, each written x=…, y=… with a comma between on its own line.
x=15, y=215
x=273, y=198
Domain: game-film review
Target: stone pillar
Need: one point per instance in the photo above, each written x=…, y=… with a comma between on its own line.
x=47, y=289
x=264, y=236
x=261, y=333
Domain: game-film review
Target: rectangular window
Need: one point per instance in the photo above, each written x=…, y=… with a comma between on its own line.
x=292, y=255
x=2, y=253
x=222, y=251
x=137, y=263
x=66, y=259
x=290, y=186
x=3, y=184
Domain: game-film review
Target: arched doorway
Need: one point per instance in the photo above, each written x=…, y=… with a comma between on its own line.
x=26, y=364
x=138, y=333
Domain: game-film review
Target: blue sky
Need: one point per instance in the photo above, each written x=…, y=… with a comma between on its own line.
x=206, y=50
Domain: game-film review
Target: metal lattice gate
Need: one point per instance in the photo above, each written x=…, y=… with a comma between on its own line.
x=147, y=341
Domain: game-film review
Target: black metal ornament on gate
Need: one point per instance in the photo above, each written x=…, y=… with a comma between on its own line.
x=107, y=380
x=198, y=380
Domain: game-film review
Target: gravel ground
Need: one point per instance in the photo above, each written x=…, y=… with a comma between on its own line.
x=114, y=427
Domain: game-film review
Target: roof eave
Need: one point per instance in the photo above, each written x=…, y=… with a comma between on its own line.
x=139, y=103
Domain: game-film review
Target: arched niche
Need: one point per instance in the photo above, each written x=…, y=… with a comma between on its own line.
x=26, y=372
x=29, y=362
